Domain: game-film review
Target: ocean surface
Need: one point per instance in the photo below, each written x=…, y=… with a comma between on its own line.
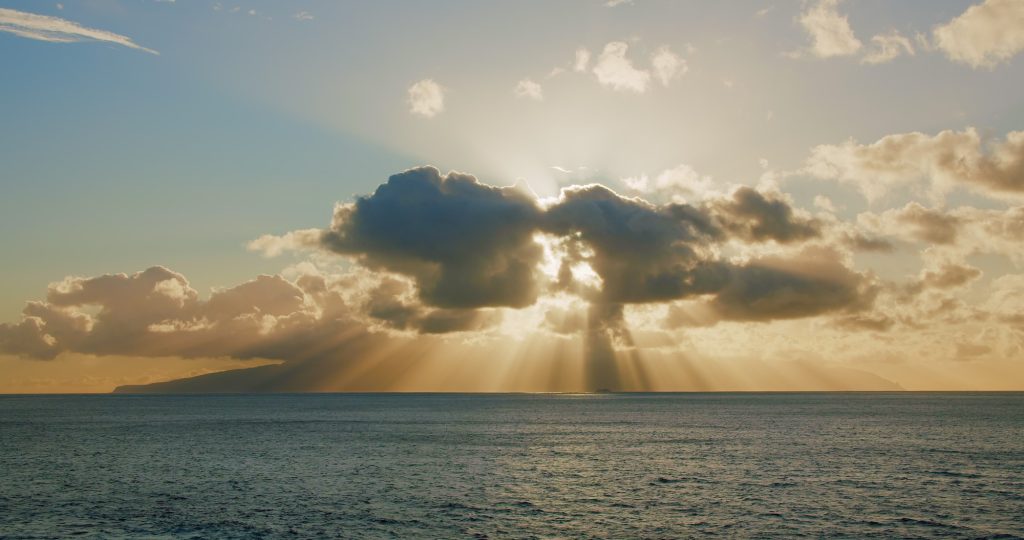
x=513, y=466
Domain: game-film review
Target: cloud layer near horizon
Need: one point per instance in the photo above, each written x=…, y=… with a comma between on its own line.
x=456, y=250
x=433, y=260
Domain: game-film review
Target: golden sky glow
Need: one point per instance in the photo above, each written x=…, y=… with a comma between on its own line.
x=651, y=196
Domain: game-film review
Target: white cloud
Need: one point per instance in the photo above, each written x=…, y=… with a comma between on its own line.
x=303, y=16
x=527, y=88
x=937, y=163
x=616, y=71
x=680, y=184
x=582, y=59
x=57, y=30
x=984, y=35
x=667, y=65
x=426, y=98
x=886, y=47
x=830, y=31
x=270, y=245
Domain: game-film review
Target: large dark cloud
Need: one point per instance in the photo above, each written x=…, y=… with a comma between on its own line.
x=466, y=244
x=642, y=252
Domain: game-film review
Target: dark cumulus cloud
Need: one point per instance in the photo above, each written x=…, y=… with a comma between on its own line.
x=467, y=245
x=756, y=217
x=642, y=252
x=448, y=254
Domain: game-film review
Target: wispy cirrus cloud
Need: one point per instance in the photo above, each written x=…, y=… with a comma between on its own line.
x=57, y=30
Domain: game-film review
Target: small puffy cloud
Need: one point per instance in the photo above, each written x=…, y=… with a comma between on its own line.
x=270, y=245
x=859, y=241
x=527, y=88
x=829, y=30
x=939, y=162
x=57, y=30
x=984, y=35
x=303, y=16
x=886, y=47
x=426, y=98
x=681, y=184
x=667, y=65
x=614, y=70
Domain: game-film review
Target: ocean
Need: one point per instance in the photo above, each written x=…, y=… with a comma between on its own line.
x=852, y=465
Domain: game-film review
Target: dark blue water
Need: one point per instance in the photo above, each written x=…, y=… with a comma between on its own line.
x=513, y=466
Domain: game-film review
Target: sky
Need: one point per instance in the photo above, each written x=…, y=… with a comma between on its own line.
x=494, y=196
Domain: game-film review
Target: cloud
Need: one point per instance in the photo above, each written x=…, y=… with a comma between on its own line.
x=984, y=35
x=952, y=235
x=614, y=69
x=157, y=313
x=426, y=98
x=646, y=253
x=680, y=183
x=57, y=30
x=617, y=72
x=927, y=225
x=667, y=65
x=755, y=217
x=430, y=254
x=1006, y=298
x=272, y=245
x=886, y=47
x=465, y=244
x=812, y=283
x=939, y=163
x=582, y=60
x=527, y=88
x=830, y=31
x=642, y=252
x=303, y=16
x=948, y=276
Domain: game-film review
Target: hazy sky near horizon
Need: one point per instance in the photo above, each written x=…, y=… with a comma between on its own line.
x=722, y=195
